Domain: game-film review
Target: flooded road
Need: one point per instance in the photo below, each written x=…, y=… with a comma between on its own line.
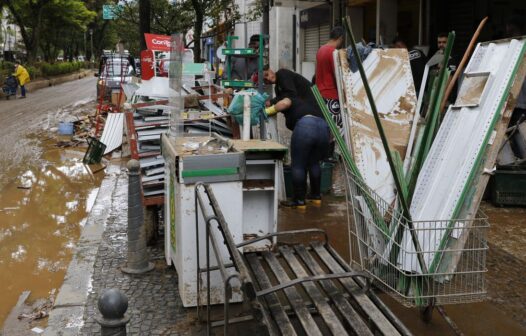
x=41, y=110
x=45, y=192
x=42, y=209
x=503, y=313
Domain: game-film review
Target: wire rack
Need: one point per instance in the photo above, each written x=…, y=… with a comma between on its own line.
x=454, y=251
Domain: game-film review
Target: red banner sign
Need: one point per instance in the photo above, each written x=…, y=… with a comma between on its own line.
x=147, y=64
x=157, y=42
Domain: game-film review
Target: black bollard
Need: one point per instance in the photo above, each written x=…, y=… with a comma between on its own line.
x=113, y=305
x=138, y=262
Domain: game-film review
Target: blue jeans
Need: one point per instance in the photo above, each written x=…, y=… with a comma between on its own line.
x=22, y=90
x=309, y=145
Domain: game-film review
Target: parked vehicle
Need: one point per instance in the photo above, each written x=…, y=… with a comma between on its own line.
x=113, y=70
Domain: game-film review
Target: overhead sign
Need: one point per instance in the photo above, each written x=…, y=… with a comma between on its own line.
x=157, y=42
x=109, y=12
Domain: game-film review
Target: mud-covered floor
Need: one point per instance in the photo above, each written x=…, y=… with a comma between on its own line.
x=504, y=313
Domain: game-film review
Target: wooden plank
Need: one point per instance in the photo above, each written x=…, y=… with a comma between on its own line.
x=368, y=307
x=132, y=136
x=315, y=294
x=155, y=200
x=351, y=316
x=151, y=103
x=255, y=145
x=297, y=303
x=275, y=307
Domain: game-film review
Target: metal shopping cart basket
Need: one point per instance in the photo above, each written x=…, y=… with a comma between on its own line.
x=380, y=244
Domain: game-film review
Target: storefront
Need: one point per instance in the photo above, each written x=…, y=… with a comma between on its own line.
x=315, y=28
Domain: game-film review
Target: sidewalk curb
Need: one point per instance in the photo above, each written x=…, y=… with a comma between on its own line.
x=43, y=83
x=66, y=317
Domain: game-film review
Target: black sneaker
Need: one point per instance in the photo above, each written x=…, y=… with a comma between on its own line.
x=314, y=200
x=294, y=204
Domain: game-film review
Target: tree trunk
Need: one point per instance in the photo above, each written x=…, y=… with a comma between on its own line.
x=35, y=38
x=20, y=24
x=198, y=28
x=144, y=20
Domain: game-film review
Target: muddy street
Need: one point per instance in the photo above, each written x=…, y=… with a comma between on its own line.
x=46, y=191
x=40, y=111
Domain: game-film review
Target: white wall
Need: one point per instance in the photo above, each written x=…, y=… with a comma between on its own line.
x=280, y=29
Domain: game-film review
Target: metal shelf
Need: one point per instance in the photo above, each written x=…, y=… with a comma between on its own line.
x=238, y=84
x=239, y=52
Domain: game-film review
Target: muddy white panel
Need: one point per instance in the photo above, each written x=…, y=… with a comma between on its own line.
x=389, y=75
x=460, y=141
x=112, y=133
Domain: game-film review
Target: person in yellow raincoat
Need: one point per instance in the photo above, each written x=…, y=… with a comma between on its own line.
x=23, y=78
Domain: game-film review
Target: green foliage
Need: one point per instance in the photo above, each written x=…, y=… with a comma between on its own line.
x=34, y=72
x=60, y=68
x=50, y=25
x=6, y=68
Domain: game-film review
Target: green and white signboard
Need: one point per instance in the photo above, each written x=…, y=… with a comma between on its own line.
x=110, y=11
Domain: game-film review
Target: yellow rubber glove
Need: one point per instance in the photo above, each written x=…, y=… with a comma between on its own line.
x=271, y=110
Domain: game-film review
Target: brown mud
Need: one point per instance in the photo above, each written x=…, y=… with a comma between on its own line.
x=43, y=205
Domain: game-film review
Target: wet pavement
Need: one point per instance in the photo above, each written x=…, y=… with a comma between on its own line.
x=42, y=208
x=503, y=313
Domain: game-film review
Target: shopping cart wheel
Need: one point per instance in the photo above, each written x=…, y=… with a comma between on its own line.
x=426, y=313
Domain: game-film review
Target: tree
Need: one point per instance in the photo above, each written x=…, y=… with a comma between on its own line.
x=144, y=20
x=222, y=10
x=63, y=26
x=56, y=17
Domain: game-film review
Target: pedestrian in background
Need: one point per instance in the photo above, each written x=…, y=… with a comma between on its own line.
x=22, y=76
x=417, y=60
x=310, y=133
x=244, y=67
x=325, y=78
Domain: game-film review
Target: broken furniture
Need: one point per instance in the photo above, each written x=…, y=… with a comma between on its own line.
x=244, y=176
x=151, y=117
x=294, y=289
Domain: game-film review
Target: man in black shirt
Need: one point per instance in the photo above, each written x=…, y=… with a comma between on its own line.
x=417, y=59
x=310, y=133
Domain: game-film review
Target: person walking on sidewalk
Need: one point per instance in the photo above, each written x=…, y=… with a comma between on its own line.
x=310, y=133
x=325, y=77
x=22, y=76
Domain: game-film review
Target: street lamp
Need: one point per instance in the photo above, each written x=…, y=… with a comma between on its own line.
x=92, y=56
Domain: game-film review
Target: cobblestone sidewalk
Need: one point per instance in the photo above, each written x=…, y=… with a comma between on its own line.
x=154, y=304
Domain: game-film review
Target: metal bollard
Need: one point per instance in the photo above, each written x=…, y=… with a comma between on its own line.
x=113, y=305
x=137, y=254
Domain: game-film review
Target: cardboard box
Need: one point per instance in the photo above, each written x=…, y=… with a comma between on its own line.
x=115, y=98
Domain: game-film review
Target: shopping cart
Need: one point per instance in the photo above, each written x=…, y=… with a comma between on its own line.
x=9, y=87
x=454, y=251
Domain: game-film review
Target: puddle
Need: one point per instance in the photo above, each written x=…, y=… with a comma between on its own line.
x=42, y=207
